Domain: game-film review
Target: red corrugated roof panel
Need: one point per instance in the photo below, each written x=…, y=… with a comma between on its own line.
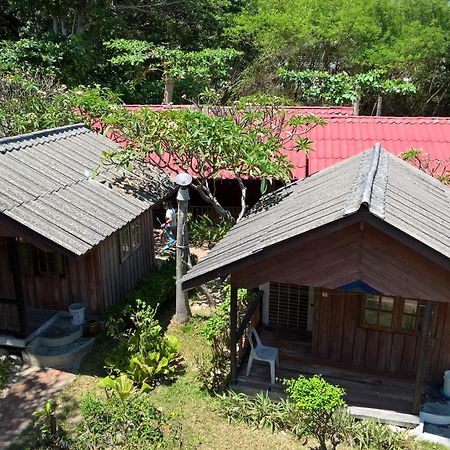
x=343, y=137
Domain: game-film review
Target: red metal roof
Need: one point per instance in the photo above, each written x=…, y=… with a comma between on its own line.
x=343, y=137
x=346, y=135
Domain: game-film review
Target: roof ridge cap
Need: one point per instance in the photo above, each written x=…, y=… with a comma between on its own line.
x=366, y=195
x=49, y=132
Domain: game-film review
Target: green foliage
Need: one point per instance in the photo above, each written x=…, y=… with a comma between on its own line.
x=439, y=169
x=112, y=422
x=154, y=290
x=214, y=367
x=35, y=101
x=318, y=401
x=243, y=141
x=370, y=434
x=408, y=39
x=5, y=371
x=143, y=353
x=51, y=436
x=121, y=386
x=319, y=87
x=261, y=412
x=205, y=231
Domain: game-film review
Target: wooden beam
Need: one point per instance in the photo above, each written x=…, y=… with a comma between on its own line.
x=233, y=331
x=14, y=264
x=423, y=358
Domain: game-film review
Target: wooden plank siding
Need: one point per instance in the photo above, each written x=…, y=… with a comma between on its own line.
x=97, y=279
x=338, y=337
x=357, y=252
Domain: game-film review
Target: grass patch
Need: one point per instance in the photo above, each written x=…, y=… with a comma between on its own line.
x=201, y=425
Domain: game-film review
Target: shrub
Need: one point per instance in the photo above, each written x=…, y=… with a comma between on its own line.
x=260, y=411
x=205, y=231
x=143, y=352
x=214, y=368
x=369, y=434
x=112, y=422
x=317, y=400
x=154, y=290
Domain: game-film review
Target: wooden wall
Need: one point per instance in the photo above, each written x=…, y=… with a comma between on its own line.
x=338, y=337
x=97, y=279
x=119, y=278
x=357, y=252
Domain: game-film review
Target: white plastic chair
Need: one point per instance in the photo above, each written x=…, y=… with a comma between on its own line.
x=261, y=352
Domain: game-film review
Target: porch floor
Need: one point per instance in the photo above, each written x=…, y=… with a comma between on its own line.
x=362, y=388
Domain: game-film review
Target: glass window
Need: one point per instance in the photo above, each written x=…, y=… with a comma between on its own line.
x=379, y=311
x=124, y=243
x=135, y=235
x=49, y=263
x=393, y=313
x=412, y=315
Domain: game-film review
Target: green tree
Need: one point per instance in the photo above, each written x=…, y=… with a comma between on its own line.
x=319, y=87
x=173, y=64
x=407, y=39
x=243, y=141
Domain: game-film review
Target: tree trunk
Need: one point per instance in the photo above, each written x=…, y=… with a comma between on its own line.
x=356, y=107
x=207, y=195
x=379, y=105
x=243, y=198
x=168, y=91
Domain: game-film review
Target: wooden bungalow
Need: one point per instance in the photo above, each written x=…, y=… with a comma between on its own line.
x=353, y=264
x=67, y=236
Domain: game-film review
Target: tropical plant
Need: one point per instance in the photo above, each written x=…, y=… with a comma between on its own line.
x=318, y=401
x=245, y=141
x=142, y=352
x=205, y=231
x=439, y=169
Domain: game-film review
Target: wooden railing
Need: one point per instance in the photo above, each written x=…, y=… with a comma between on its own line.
x=252, y=318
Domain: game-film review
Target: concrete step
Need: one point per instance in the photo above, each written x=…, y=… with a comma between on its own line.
x=67, y=357
x=386, y=416
x=61, y=333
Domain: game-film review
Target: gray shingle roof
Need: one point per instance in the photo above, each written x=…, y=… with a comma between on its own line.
x=47, y=184
x=391, y=189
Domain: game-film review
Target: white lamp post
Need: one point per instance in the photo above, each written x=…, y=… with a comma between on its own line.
x=183, y=313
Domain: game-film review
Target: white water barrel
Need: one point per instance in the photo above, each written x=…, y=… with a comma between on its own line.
x=77, y=311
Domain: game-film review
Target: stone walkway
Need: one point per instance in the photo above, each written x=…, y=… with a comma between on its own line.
x=28, y=391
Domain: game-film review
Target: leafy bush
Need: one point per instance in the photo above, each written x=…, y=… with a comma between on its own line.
x=317, y=401
x=214, y=368
x=285, y=415
x=5, y=370
x=219, y=323
x=155, y=289
x=260, y=411
x=205, y=231
x=143, y=352
x=112, y=422
x=369, y=434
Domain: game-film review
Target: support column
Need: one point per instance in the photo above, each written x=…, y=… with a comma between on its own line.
x=233, y=329
x=423, y=358
x=13, y=253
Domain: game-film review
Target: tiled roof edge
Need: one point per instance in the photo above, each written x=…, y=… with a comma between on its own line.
x=50, y=134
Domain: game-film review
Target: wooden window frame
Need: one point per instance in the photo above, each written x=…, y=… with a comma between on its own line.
x=398, y=313
x=40, y=270
x=135, y=235
x=130, y=238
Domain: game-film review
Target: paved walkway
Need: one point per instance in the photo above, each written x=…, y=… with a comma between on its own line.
x=29, y=390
